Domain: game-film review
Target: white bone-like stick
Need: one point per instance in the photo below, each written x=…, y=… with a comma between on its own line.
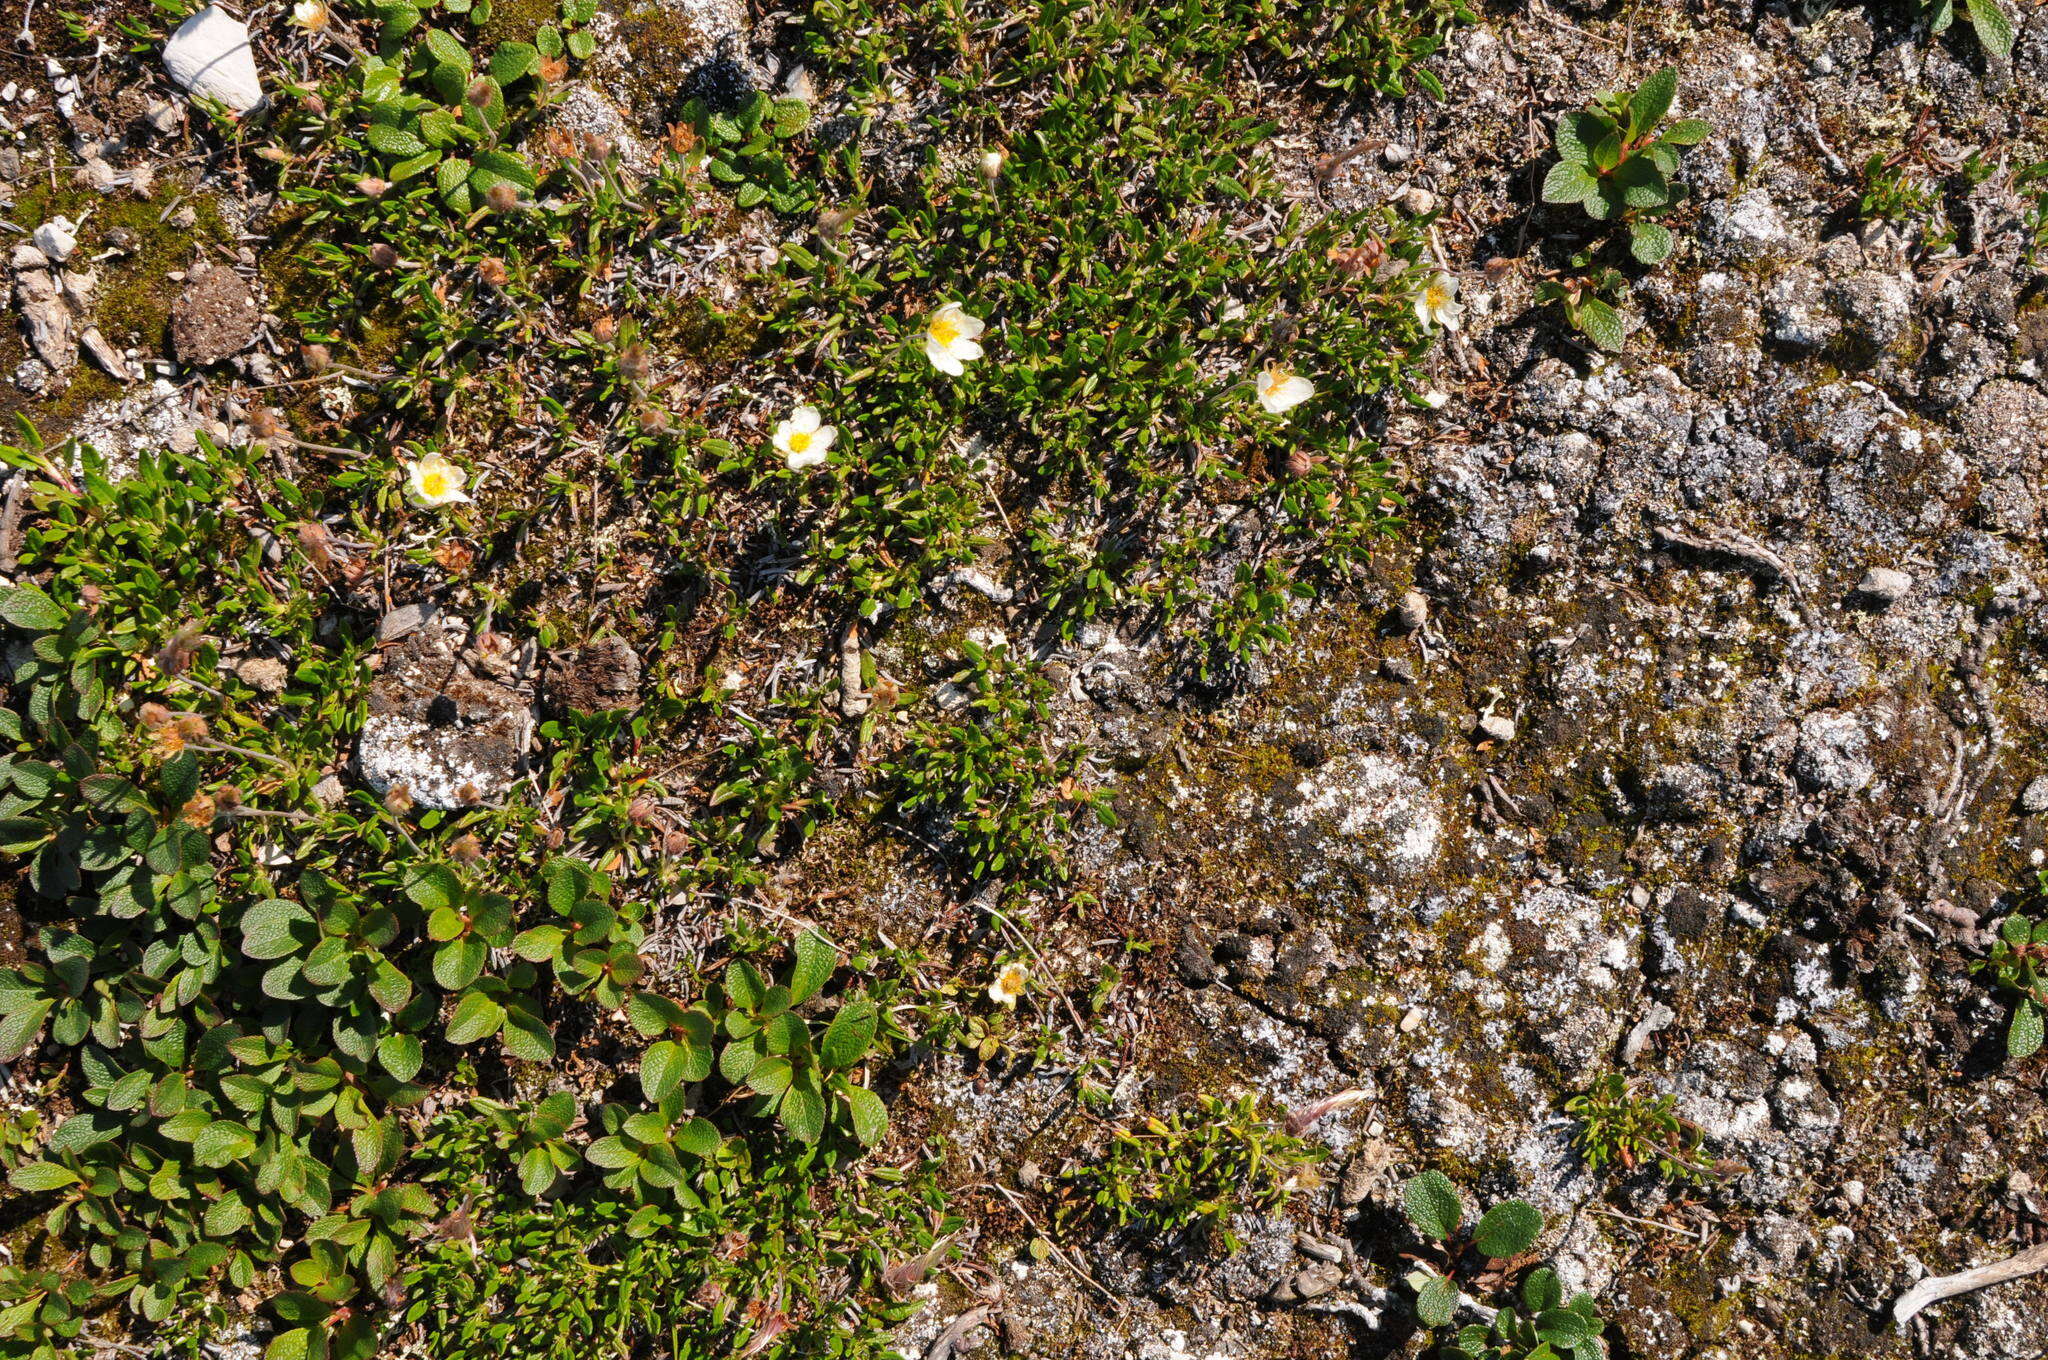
x=2028, y=1262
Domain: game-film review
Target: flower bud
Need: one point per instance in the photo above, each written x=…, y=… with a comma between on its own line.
x=992, y=164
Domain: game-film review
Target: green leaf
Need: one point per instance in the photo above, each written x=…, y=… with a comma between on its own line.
x=1993, y=25
x=849, y=1036
x=392, y=141
x=180, y=779
x=476, y=1017
x=744, y=989
x=2016, y=930
x=870, y=1118
x=553, y=1115
x=512, y=60
x=27, y=606
x=221, y=1142
x=1542, y=1290
x=1508, y=1229
x=1602, y=325
x=86, y=1129
x=791, y=117
x=507, y=166
x=1436, y=1303
x=661, y=1070
x=609, y=1154
x=771, y=1076
x=1565, y=1327
x=697, y=1137
x=19, y=1029
x=1652, y=100
x=527, y=1037
x=1686, y=132
x=401, y=1055
x=803, y=1110
x=1568, y=182
x=815, y=960
x=447, y=50
x=459, y=962
x=2023, y=1040
x=434, y=888
x=1649, y=242
x=35, y=1176
x=1433, y=1204
x=1576, y=134
x=1641, y=183
x=293, y=1345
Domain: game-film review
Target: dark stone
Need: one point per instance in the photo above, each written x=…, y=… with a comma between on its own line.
x=1192, y=962
x=441, y=711
x=600, y=676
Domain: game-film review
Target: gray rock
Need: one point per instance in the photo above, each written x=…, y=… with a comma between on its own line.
x=1877, y=307
x=2034, y=798
x=1833, y=753
x=1796, y=312
x=1748, y=229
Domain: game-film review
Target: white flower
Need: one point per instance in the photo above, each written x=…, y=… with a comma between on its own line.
x=1434, y=399
x=310, y=15
x=1282, y=389
x=804, y=439
x=1009, y=984
x=949, y=339
x=433, y=481
x=1437, y=304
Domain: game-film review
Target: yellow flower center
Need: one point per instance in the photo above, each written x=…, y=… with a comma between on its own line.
x=434, y=482
x=944, y=329
x=799, y=440
x=1435, y=297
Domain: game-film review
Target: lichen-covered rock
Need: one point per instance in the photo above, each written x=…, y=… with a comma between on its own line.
x=438, y=729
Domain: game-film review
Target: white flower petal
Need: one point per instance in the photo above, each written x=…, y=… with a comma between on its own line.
x=804, y=419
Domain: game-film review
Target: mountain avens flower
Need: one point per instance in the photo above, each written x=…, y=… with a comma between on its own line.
x=1437, y=304
x=1281, y=389
x=804, y=439
x=1008, y=988
x=433, y=481
x=950, y=339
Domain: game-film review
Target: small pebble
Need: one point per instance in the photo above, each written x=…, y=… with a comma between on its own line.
x=1884, y=585
x=2034, y=798
x=1495, y=727
x=1413, y=611
x=1418, y=202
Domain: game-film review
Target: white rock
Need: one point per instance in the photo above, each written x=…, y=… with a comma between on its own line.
x=209, y=56
x=57, y=238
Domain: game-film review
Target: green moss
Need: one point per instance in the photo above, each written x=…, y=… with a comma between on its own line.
x=516, y=21
x=133, y=297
